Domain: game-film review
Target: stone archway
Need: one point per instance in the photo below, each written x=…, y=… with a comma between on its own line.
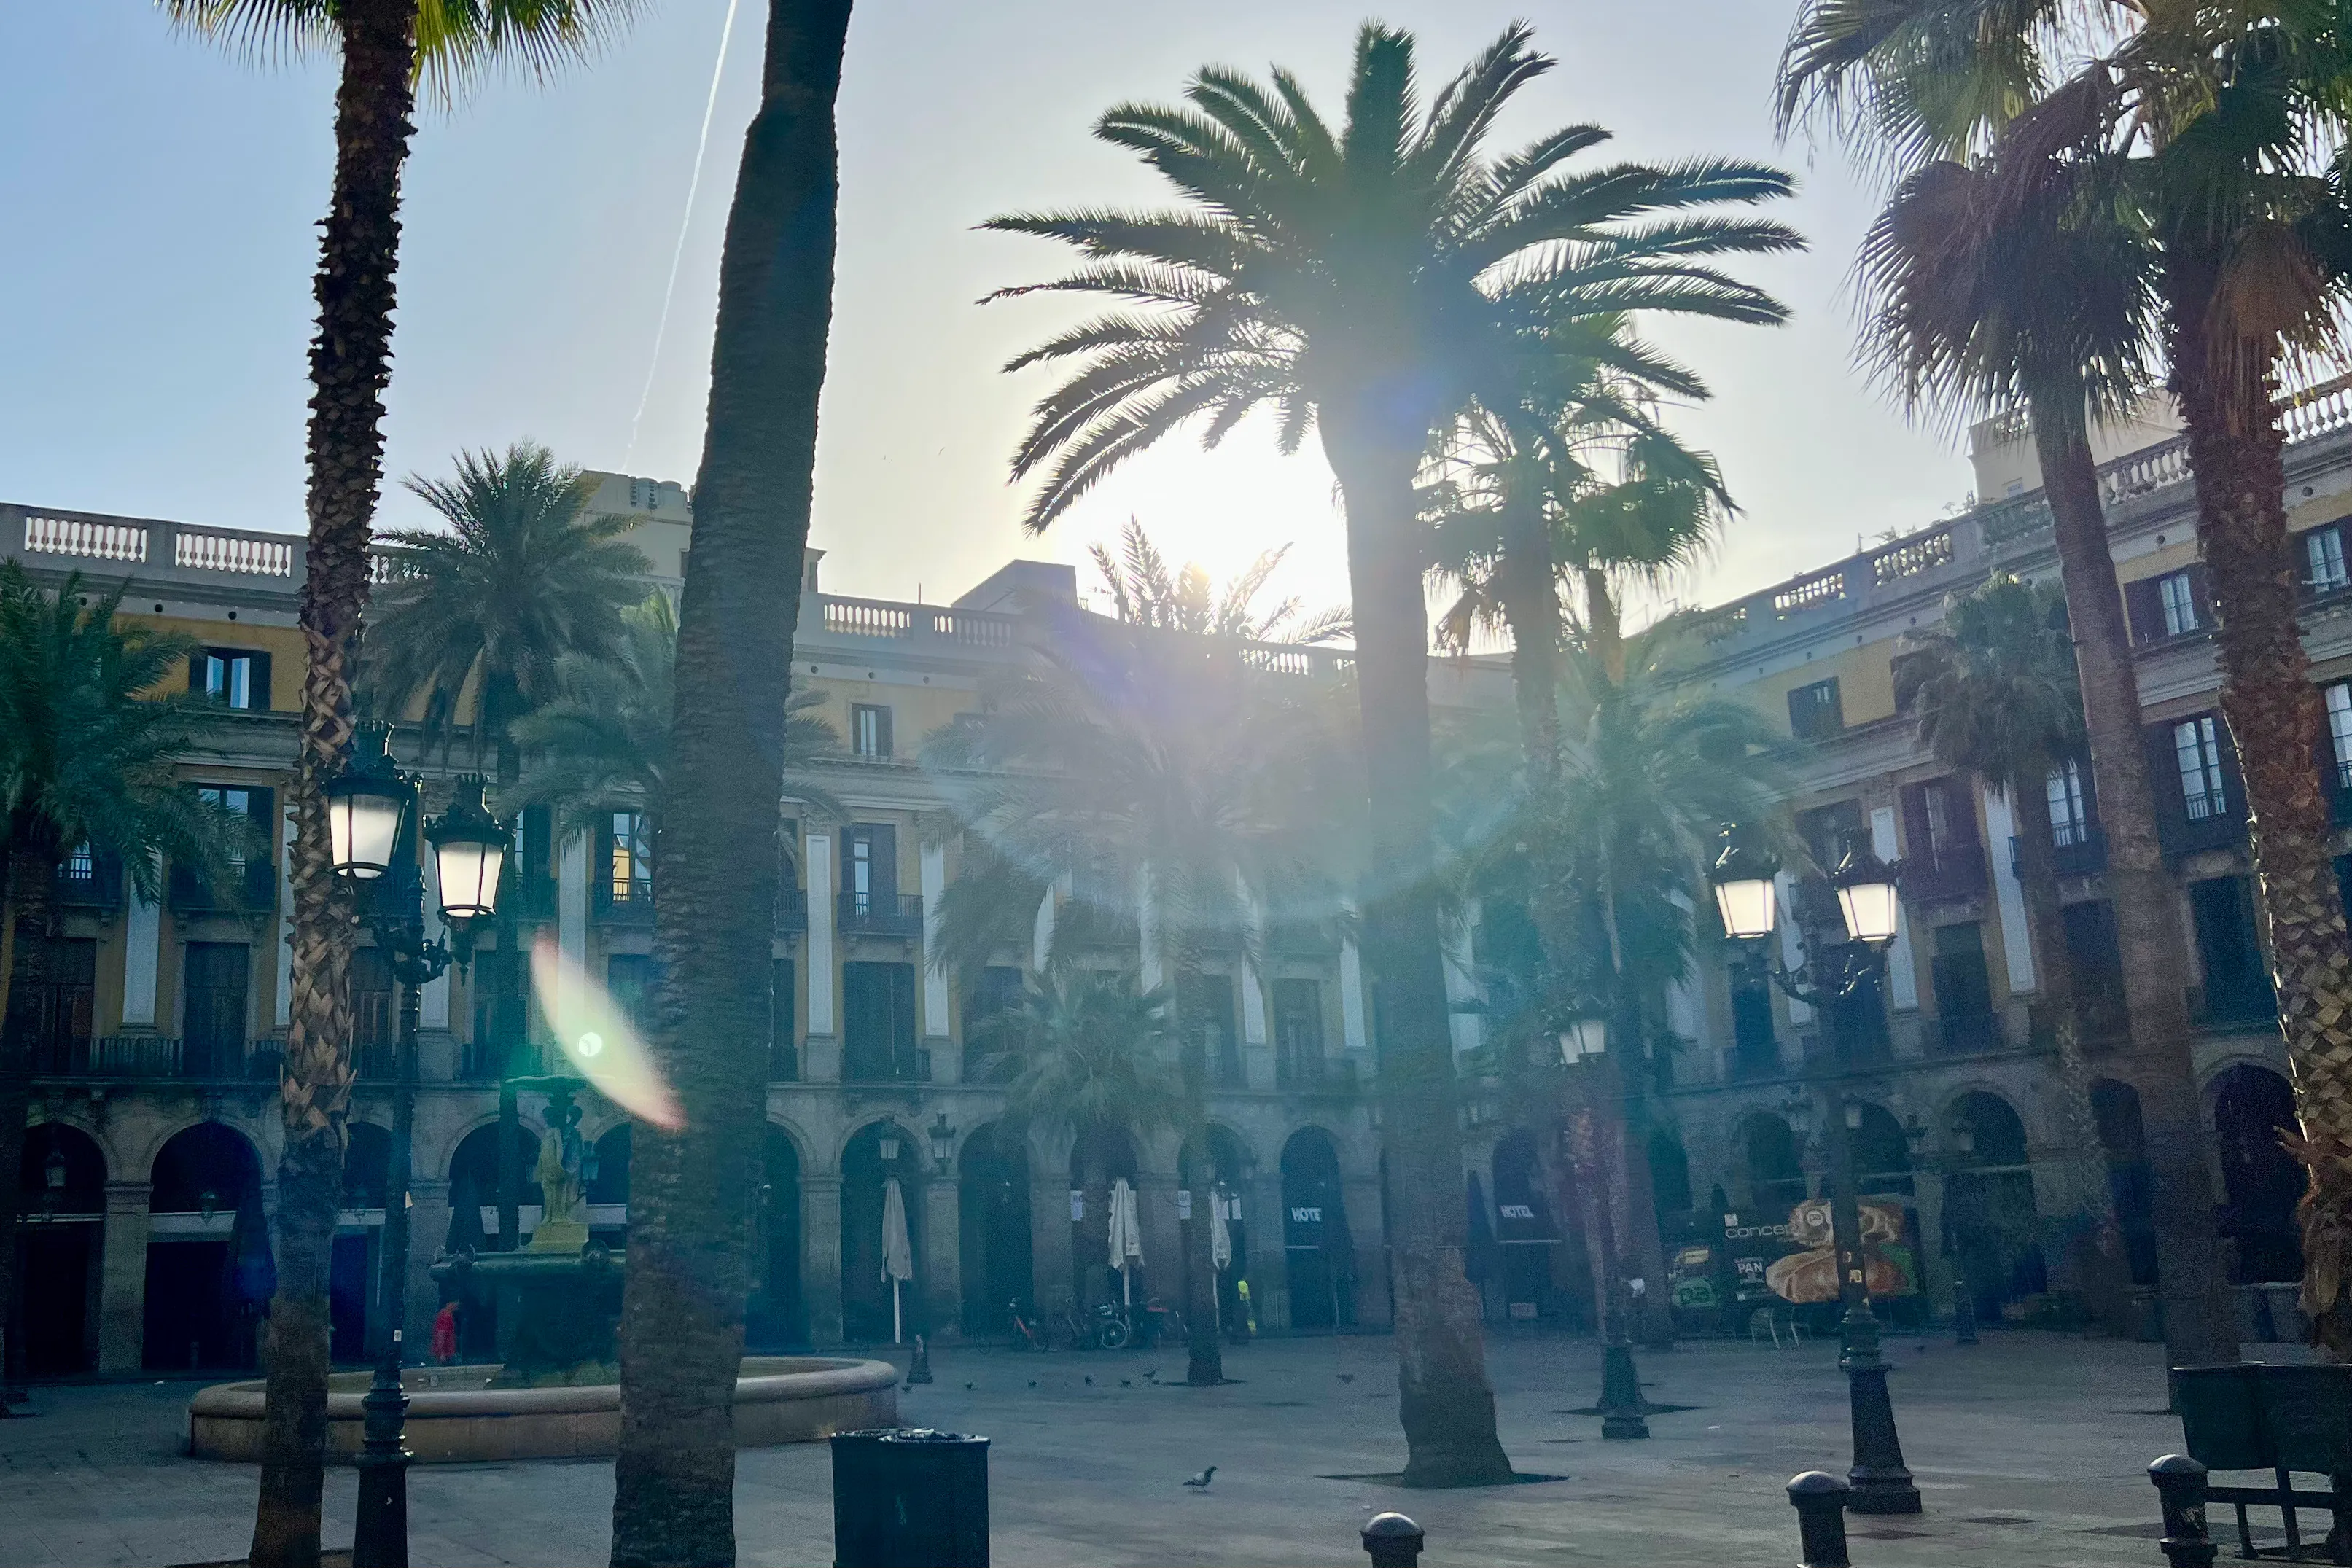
x=995, y=1238
x=1991, y=1227
x=2262, y=1183
x=59, y=1252
x=351, y=1287
x=1318, y=1248
x=879, y=1153
x=777, y=1317
x=209, y=1269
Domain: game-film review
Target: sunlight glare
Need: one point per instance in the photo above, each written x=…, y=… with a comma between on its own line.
x=598, y=1038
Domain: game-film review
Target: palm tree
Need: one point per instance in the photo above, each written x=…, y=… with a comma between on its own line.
x=1995, y=694
x=1085, y=1049
x=603, y=739
x=1368, y=284
x=693, y=1192
x=1144, y=592
x=525, y=576
x=86, y=767
x=384, y=47
x=2005, y=285
x=1168, y=756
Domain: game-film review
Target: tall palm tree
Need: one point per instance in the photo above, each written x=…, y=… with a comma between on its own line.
x=692, y=1191
x=1145, y=593
x=1995, y=694
x=88, y=754
x=525, y=575
x=384, y=48
x=1168, y=756
x=603, y=739
x=1367, y=282
x=2001, y=284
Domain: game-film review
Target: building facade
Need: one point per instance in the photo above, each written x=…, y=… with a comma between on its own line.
x=150, y=1170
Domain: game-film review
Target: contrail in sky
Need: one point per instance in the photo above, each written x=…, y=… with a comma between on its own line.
x=685, y=222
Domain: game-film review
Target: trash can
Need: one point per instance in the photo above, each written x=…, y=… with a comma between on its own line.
x=909, y=1499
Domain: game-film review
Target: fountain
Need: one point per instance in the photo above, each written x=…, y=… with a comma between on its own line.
x=555, y=1390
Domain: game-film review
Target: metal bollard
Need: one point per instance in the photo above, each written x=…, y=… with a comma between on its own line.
x=1392, y=1541
x=1820, y=1499
x=921, y=1372
x=2181, y=1489
x=1964, y=1313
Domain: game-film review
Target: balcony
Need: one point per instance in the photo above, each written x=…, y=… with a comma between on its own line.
x=251, y=890
x=92, y=883
x=2236, y=1007
x=1315, y=1074
x=2101, y=1021
x=529, y=900
x=1306, y=937
x=875, y=914
x=1970, y=1034
x=2074, y=851
x=1944, y=875
x=160, y=1057
x=792, y=910
x=623, y=902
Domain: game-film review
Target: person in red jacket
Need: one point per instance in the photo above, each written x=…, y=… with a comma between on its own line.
x=444, y=1333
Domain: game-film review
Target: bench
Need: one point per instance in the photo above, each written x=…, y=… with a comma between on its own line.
x=2261, y=1416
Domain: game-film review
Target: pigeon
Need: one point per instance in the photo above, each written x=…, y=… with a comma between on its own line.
x=1033, y=1382
x=1200, y=1481
x=1153, y=1375
x=1090, y=1382
x=970, y=1386
x=1126, y=1383
x=1346, y=1377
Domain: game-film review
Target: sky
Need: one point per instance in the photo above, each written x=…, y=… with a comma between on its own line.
x=161, y=197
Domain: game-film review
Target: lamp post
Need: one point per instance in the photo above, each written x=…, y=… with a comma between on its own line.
x=1745, y=894
x=372, y=812
x=1584, y=1060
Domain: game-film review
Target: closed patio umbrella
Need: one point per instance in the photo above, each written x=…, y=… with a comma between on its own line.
x=1221, y=1239
x=897, y=1257
x=1126, y=1237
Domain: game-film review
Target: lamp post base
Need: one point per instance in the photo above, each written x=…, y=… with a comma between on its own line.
x=381, y=1538
x=1623, y=1414
x=1882, y=1483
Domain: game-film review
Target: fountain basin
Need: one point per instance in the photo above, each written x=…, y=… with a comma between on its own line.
x=456, y=1417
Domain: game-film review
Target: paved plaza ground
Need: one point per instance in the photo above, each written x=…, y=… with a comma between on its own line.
x=2030, y=1450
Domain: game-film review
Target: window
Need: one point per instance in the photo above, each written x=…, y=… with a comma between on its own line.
x=1754, y=1052
x=2198, y=745
x=870, y=874
x=632, y=867
x=2070, y=819
x=232, y=678
x=501, y=1016
x=991, y=1026
x=213, y=1002
x=2339, y=732
x=869, y=729
x=1831, y=830
x=878, y=1023
x=2176, y=595
x=2237, y=981
x=372, y=1010
x=1815, y=712
x=1298, y=1028
x=1963, y=986
x=629, y=981
x=2323, y=555
x=1204, y=1011
x=783, y=1023
x=54, y=1018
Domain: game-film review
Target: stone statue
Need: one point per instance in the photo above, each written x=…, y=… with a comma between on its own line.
x=562, y=1175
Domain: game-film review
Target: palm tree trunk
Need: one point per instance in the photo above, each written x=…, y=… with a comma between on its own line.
x=1094, y=1172
x=350, y=361
x=1445, y=1401
x=1204, y=1365
x=2201, y=1323
x=681, y=1336
x=2105, y=1266
x=1603, y=626
x=2273, y=711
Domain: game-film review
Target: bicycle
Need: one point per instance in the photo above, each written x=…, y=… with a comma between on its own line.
x=1028, y=1334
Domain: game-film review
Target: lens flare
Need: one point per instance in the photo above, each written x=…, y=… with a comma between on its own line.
x=597, y=1036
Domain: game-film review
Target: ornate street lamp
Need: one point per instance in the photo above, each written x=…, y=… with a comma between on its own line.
x=1583, y=1051
x=373, y=816
x=1870, y=908
x=53, y=1182
x=368, y=805
x=1583, y=1039
x=942, y=1143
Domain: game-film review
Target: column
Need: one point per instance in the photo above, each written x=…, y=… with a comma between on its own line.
x=821, y=1253
x=283, y=1012
x=821, y=1063
x=1903, y=979
x=947, y=1059
x=1353, y=1036
x=2009, y=893
x=1461, y=981
x=428, y=1227
x=1935, y=1273
x=941, y=1268
x=1049, y=1237
x=571, y=899
x=1269, y=1273
x=1367, y=1225
x=122, y=1278
x=143, y=948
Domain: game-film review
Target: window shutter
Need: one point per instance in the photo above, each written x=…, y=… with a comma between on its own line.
x=1917, y=839
x=2145, y=609
x=2232, y=778
x=882, y=746
x=260, y=682
x=2200, y=594
x=1960, y=811
x=2164, y=774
